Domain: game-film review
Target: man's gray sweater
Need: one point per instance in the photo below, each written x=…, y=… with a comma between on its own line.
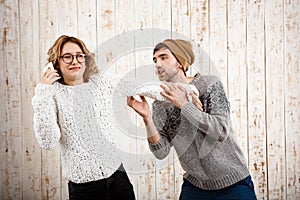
x=203, y=141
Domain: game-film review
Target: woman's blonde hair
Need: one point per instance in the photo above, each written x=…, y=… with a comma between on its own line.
x=54, y=54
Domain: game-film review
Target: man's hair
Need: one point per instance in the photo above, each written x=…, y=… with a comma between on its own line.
x=160, y=46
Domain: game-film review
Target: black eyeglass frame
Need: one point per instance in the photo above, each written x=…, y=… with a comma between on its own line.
x=73, y=56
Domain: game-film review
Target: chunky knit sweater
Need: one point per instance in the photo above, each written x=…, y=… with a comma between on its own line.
x=203, y=141
x=79, y=118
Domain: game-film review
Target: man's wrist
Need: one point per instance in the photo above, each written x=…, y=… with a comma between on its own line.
x=182, y=105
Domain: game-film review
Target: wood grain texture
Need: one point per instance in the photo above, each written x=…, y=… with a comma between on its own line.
x=11, y=101
x=274, y=101
x=237, y=71
x=253, y=46
x=257, y=96
x=29, y=29
x=53, y=185
x=291, y=97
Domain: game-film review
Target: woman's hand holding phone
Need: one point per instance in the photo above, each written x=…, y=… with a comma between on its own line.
x=49, y=74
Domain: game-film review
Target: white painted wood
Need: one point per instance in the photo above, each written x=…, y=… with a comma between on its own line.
x=11, y=101
x=218, y=40
x=237, y=71
x=253, y=44
x=274, y=101
x=52, y=184
x=256, y=96
x=106, y=30
x=200, y=35
x=87, y=19
x=291, y=92
x=67, y=17
x=29, y=29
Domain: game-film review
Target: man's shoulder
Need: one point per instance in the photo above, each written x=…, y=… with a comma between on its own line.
x=204, y=82
x=209, y=79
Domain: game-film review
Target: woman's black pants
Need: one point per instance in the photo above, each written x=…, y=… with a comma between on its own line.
x=115, y=187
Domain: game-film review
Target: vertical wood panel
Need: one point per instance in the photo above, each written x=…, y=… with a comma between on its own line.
x=218, y=40
x=67, y=17
x=237, y=80
x=3, y=99
x=200, y=35
x=274, y=100
x=106, y=28
x=256, y=96
x=292, y=96
x=87, y=29
x=11, y=130
x=161, y=19
x=29, y=29
x=53, y=185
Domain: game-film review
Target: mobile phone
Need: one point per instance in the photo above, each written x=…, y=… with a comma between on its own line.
x=49, y=65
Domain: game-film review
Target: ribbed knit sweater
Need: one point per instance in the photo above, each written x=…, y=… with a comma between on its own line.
x=203, y=141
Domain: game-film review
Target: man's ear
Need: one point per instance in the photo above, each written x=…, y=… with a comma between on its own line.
x=179, y=65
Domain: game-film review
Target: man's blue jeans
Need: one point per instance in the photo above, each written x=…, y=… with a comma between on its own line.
x=242, y=190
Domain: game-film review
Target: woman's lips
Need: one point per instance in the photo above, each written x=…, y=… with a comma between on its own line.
x=74, y=68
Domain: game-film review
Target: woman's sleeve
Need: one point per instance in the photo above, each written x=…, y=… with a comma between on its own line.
x=118, y=84
x=215, y=122
x=45, y=118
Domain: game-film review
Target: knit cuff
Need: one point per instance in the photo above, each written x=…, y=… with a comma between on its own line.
x=157, y=146
x=189, y=110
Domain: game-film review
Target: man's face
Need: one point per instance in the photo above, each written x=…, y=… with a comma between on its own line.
x=167, y=66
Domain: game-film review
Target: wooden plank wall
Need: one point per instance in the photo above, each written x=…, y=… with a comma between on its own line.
x=253, y=45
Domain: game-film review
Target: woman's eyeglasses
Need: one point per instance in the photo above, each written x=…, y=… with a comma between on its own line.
x=68, y=58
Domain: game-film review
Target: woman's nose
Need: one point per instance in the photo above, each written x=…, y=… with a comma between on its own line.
x=74, y=60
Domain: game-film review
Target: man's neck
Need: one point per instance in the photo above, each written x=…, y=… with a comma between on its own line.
x=180, y=78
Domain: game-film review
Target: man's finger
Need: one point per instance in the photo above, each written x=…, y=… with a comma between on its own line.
x=143, y=98
x=181, y=88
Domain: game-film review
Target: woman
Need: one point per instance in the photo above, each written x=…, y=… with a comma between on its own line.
x=71, y=108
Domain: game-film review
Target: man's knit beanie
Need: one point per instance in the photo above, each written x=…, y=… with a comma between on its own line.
x=182, y=50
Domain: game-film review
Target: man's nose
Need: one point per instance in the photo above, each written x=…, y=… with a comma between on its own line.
x=157, y=64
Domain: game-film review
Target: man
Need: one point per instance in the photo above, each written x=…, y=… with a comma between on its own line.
x=200, y=131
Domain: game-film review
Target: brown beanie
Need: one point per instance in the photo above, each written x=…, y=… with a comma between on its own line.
x=182, y=50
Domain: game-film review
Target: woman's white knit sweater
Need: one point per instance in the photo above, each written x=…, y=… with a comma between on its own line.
x=79, y=119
